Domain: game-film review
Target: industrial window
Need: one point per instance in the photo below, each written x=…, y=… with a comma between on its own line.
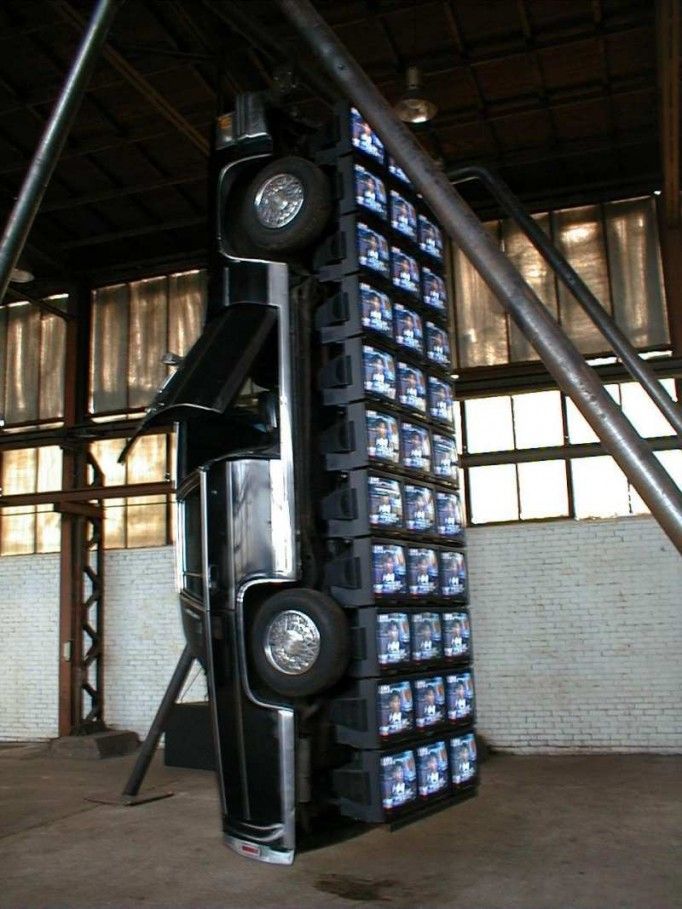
x=613, y=247
x=32, y=350
x=519, y=465
x=30, y=528
x=133, y=326
x=137, y=521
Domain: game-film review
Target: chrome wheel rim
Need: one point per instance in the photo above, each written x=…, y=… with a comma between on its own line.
x=292, y=642
x=279, y=200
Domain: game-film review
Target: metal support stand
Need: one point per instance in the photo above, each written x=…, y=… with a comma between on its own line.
x=131, y=789
x=564, y=362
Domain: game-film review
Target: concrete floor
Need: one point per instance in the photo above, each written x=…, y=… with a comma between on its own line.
x=550, y=832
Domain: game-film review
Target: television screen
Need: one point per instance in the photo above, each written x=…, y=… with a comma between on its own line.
x=388, y=569
x=416, y=446
x=385, y=503
x=437, y=345
x=396, y=170
x=408, y=328
x=453, y=574
x=403, y=216
x=422, y=572
x=445, y=457
x=430, y=238
x=382, y=437
x=432, y=769
x=377, y=311
x=426, y=636
x=396, y=712
x=456, y=634
x=429, y=702
x=440, y=401
x=460, y=697
x=398, y=779
x=463, y=758
x=364, y=138
x=373, y=250
x=419, y=510
x=434, y=290
x=370, y=191
x=404, y=271
x=449, y=514
x=379, y=372
x=393, y=638
x=411, y=387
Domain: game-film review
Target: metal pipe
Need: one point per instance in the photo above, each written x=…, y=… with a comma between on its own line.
x=561, y=357
x=637, y=367
x=148, y=747
x=47, y=154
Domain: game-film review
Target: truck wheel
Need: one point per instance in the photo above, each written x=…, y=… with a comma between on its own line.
x=286, y=205
x=300, y=642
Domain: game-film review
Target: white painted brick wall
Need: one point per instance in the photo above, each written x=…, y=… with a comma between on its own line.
x=576, y=629
x=29, y=647
x=577, y=636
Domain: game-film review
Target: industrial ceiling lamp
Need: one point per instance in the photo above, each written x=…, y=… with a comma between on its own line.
x=21, y=273
x=413, y=107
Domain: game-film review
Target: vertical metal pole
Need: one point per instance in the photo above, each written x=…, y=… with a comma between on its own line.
x=45, y=159
x=563, y=360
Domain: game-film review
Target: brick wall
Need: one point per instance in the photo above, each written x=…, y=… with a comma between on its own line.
x=29, y=646
x=576, y=631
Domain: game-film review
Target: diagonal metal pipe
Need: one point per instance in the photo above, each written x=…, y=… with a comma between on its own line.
x=610, y=330
x=52, y=141
x=564, y=362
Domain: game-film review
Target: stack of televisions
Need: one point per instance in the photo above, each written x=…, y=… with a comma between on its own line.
x=393, y=515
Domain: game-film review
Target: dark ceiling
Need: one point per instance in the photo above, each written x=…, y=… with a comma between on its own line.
x=558, y=96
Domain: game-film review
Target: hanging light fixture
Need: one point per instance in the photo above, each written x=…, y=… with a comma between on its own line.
x=414, y=107
x=22, y=272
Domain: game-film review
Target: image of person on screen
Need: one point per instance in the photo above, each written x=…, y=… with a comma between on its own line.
x=426, y=639
x=376, y=313
x=393, y=647
x=421, y=516
x=430, y=702
x=395, y=716
x=398, y=787
x=362, y=134
x=441, y=403
x=411, y=388
x=388, y=575
x=437, y=346
x=405, y=274
x=416, y=450
x=383, y=444
x=423, y=577
x=432, y=773
x=464, y=767
x=456, y=640
x=461, y=701
x=378, y=375
x=385, y=510
x=451, y=519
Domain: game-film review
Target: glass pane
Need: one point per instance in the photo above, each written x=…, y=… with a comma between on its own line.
x=636, y=273
x=642, y=412
x=579, y=430
x=489, y=424
x=52, y=354
x=49, y=468
x=579, y=236
x=19, y=471
x=48, y=531
x=481, y=322
x=114, y=523
x=600, y=488
x=543, y=490
x=537, y=419
x=147, y=462
x=106, y=453
x=186, y=309
x=18, y=531
x=148, y=340
x=537, y=273
x=146, y=521
x=493, y=493
x=23, y=353
x=109, y=350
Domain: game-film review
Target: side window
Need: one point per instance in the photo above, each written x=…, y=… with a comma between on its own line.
x=192, y=574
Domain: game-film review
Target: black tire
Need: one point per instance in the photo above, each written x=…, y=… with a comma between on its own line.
x=305, y=227
x=333, y=656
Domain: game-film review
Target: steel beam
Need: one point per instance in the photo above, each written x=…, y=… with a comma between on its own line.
x=561, y=357
x=53, y=139
x=87, y=494
x=668, y=51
